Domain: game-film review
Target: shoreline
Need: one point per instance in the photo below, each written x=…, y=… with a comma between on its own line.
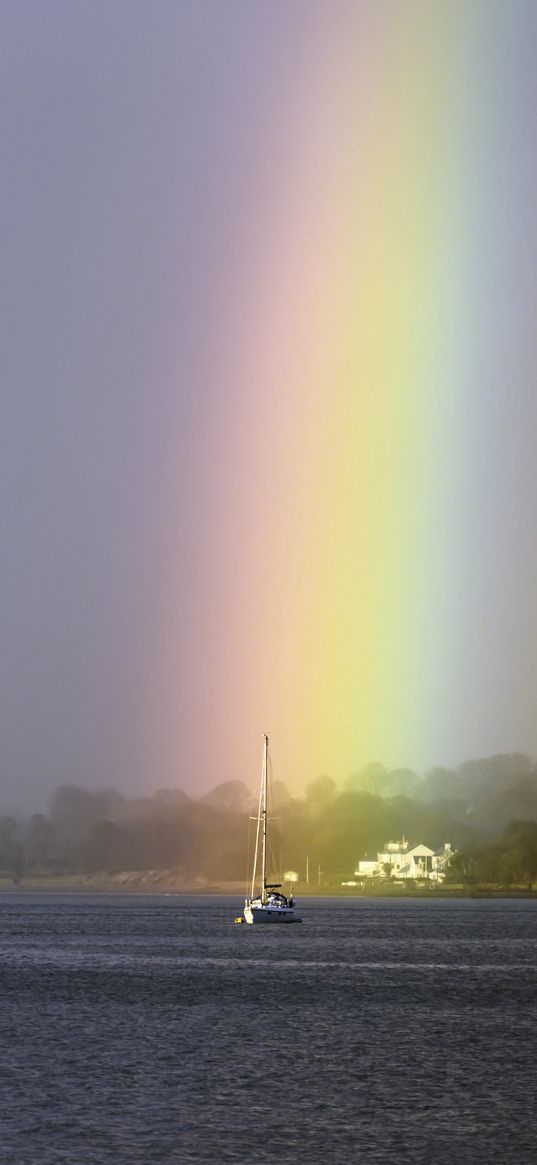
x=166, y=882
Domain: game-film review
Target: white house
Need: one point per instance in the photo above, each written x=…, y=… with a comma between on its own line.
x=401, y=860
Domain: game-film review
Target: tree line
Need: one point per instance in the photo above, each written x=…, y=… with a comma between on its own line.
x=486, y=809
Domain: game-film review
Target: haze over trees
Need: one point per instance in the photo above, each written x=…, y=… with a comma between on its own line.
x=486, y=808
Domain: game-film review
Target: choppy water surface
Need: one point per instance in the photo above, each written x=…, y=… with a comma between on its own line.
x=151, y=1029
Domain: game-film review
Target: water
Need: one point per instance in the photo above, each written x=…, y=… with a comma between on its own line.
x=151, y=1029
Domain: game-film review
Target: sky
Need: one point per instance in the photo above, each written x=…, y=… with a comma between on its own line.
x=268, y=405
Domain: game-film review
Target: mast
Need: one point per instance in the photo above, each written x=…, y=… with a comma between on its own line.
x=265, y=787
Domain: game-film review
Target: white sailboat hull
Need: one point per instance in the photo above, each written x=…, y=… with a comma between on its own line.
x=266, y=905
x=269, y=914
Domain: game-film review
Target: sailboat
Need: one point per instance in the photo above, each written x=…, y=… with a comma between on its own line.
x=267, y=904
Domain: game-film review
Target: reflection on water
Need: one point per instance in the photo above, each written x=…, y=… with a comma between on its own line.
x=141, y=1029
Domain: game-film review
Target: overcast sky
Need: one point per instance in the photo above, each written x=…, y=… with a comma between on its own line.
x=148, y=150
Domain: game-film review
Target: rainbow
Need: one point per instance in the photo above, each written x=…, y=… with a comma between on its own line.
x=319, y=592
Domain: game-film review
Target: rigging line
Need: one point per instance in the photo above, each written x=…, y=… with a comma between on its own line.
x=257, y=840
x=274, y=854
x=248, y=856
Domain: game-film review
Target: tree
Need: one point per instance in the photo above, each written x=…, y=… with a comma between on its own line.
x=39, y=841
x=320, y=793
x=373, y=778
x=8, y=844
